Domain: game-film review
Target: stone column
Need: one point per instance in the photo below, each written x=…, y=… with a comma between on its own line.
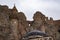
x=14, y=23
x=43, y=28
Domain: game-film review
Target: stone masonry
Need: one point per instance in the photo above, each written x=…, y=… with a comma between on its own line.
x=13, y=24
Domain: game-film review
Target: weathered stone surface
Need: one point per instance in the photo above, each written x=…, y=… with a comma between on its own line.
x=13, y=24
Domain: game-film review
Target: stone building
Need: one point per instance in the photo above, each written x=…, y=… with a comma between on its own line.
x=14, y=24
x=37, y=35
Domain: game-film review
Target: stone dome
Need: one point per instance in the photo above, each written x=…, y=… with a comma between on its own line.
x=35, y=32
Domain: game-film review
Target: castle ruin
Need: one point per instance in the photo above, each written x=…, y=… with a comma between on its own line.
x=13, y=24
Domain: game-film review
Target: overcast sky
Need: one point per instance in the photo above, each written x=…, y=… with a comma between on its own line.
x=50, y=8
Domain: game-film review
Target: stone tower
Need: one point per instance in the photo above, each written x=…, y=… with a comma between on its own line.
x=38, y=22
x=14, y=23
x=14, y=9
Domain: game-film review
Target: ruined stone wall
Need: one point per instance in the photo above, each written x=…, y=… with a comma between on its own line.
x=13, y=24
x=4, y=26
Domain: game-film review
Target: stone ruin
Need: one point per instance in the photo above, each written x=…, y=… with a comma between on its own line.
x=13, y=24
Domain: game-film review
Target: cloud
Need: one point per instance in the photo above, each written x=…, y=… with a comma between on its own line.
x=50, y=8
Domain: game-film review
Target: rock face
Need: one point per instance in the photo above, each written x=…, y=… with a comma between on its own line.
x=13, y=24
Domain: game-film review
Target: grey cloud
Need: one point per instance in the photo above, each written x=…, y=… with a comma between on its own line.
x=50, y=8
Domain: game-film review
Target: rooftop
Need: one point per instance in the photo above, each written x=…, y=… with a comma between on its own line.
x=35, y=32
